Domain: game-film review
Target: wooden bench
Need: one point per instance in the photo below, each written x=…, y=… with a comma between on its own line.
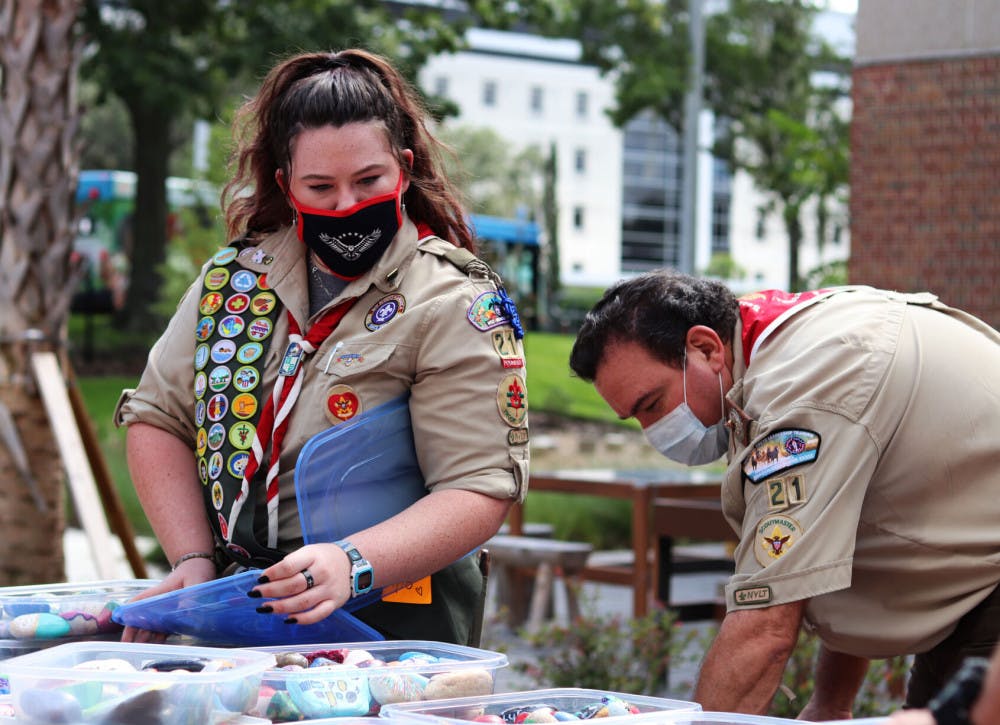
x=545, y=559
x=699, y=520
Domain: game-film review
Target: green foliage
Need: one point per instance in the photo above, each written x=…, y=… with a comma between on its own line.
x=723, y=266
x=832, y=274
x=601, y=522
x=495, y=178
x=201, y=232
x=607, y=653
x=882, y=690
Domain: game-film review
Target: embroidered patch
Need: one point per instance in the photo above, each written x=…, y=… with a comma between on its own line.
x=206, y=326
x=517, y=437
x=246, y=378
x=263, y=303
x=249, y=352
x=785, y=491
x=486, y=312
x=216, y=278
x=201, y=357
x=751, y=595
x=506, y=347
x=512, y=400
x=210, y=303
x=244, y=406
x=776, y=535
x=243, y=281
x=216, y=435
x=217, y=496
x=780, y=451
x=200, y=384
x=383, y=311
x=231, y=326
x=241, y=435
x=223, y=351
x=259, y=329
x=237, y=303
x=224, y=255
x=342, y=403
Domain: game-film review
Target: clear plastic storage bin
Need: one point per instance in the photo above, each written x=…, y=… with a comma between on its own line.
x=119, y=682
x=583, y=703
x=45, y=613
x=711, y=718
x=362, y=677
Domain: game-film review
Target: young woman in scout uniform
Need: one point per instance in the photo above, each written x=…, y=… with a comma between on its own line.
x=861, y=432
x=351, y=283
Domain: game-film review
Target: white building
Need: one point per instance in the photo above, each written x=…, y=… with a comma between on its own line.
x=614, y=183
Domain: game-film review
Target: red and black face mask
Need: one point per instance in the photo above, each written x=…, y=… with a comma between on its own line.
x=350, y=241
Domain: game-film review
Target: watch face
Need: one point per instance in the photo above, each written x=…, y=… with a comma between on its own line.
x=363, y=581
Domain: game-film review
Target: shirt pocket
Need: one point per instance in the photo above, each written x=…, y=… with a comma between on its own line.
x=353, y=361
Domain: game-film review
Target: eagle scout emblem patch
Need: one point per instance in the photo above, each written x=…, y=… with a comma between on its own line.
x=342, y=403
x=512, y=400
x=775, y=536
x=780, y=451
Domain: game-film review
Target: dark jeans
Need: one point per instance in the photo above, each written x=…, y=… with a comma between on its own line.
x=975, y=636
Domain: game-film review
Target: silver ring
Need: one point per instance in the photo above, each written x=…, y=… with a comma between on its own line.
x=310, y=582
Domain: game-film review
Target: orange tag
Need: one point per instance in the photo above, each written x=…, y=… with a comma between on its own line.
x=418, y=592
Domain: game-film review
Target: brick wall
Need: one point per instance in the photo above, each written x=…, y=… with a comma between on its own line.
x=925, y=180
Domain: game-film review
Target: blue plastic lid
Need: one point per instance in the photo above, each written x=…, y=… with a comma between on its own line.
x=220, y=612
x=358, y=473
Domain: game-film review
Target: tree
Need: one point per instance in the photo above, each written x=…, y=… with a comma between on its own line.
x=39, y=55
x=169, y=62
x=780, y=89
x=762, y=63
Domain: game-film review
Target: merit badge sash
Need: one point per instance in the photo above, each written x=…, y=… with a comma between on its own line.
x=237, y=314
x=763, y=312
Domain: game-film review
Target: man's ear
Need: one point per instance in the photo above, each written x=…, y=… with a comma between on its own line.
x=705, y=341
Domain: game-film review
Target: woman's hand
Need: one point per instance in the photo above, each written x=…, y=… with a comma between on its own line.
x=189, y=573
x=328, y=569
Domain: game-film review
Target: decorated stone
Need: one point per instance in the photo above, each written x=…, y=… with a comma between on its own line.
x=357, y=656
x=81, y=623
x=390, y=689
x=42, y=625
x=460, y=683
x=287, y=659
x=111, y=664
x=542, y=714
x=281, y=708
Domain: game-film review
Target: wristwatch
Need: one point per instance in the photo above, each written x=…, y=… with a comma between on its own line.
x=362, y=575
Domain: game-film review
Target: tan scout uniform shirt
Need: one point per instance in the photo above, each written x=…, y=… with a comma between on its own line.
x=892, y=530
x=456, y=378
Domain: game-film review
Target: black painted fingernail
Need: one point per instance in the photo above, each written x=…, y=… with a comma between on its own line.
x=265, y=609
x=263, y=580
x=291, y=620
x=254, y=593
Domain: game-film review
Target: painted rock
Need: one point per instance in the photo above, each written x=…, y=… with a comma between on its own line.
x=563, y=716
x=16, y=609
x=542, y=714
x=42, y=625
x=459, y=683
x=390, y=689
x=488, y=718
x=50, y=706
x=357, y=656
x=80, y=623
x=282, y=709
x=111, y=664
x=286, y=659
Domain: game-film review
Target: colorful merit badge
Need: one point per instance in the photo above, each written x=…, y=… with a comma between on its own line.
x=776, y=535
x=342, y=403
x=512, y=400
x=780, y=451
x=486, y=312
x=383, y=311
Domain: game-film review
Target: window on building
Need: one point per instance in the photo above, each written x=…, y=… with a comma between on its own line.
x=441, y=86
x=761, y=226
x=537, y=99
x=838, y=234
x=490, y=93
x=580, y=160
x=578, y=217
x=582, y=101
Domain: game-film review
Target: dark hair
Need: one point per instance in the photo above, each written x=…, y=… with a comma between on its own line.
x=313, y=90
x=656, y=310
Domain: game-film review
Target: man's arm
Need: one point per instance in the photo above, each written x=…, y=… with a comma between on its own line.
x=838, y=679
x=743, y=667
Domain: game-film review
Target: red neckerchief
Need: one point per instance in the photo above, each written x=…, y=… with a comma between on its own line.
x=762, y=312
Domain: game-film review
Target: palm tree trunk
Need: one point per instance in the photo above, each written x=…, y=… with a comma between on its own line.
x=39, y=54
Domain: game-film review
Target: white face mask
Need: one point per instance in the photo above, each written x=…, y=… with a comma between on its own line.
x=681, y=437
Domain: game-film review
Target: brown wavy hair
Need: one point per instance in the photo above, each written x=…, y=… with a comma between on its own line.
x=312, y=90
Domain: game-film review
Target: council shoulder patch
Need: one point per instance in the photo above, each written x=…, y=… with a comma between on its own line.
x=746, y=596
x=780, y=451
x=776, y=535
x=486, y=312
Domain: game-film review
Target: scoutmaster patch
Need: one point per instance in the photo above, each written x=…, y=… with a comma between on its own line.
x=780, y=451
x=776, y=535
